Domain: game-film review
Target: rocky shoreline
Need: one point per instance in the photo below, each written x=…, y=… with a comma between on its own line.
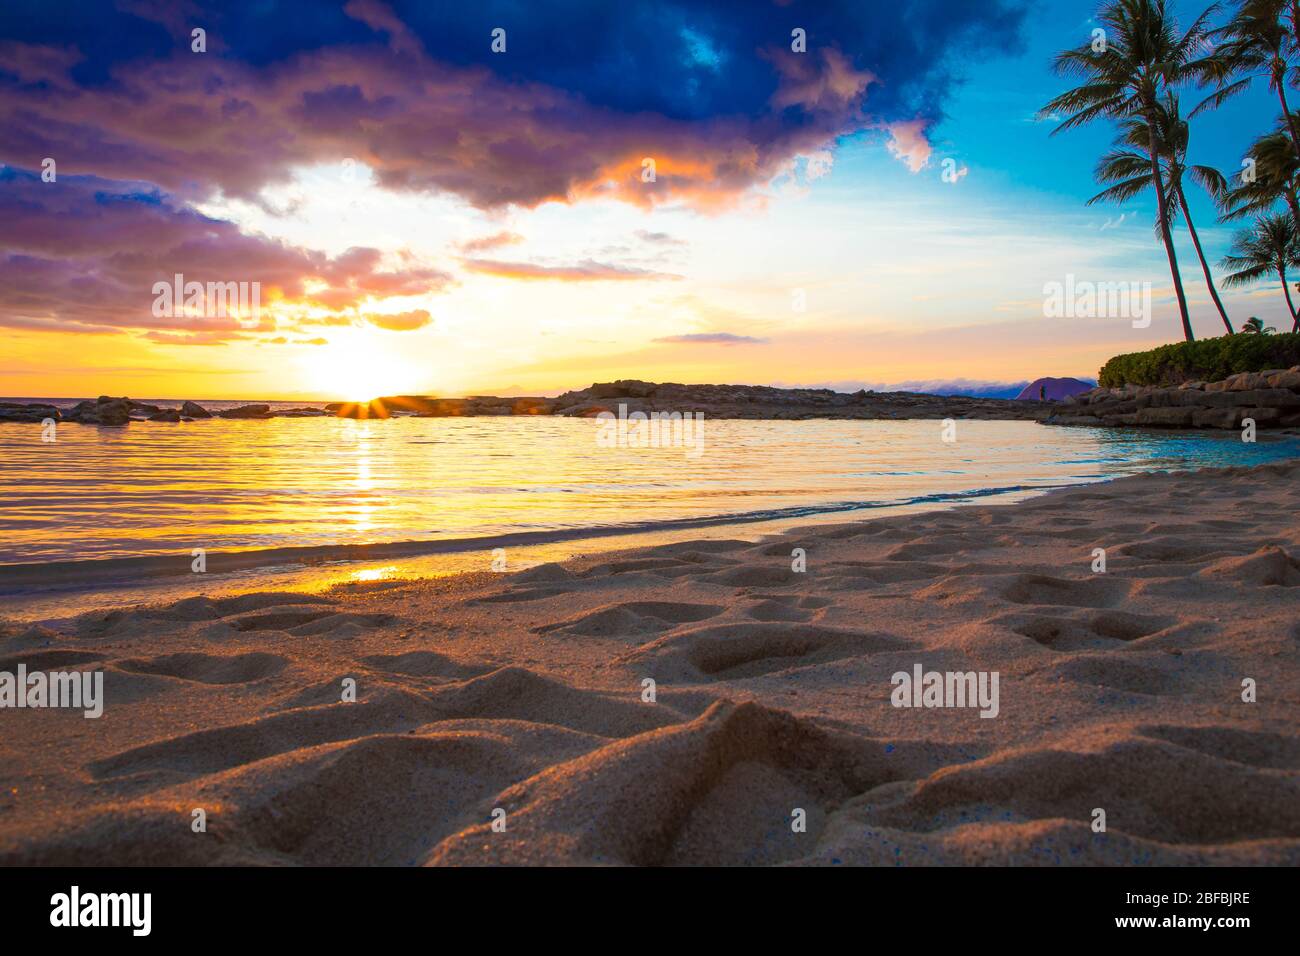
x=1270, y=398
x=116, y=412
x=715, y=401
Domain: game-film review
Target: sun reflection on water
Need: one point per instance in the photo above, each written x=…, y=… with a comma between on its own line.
x=374, y=574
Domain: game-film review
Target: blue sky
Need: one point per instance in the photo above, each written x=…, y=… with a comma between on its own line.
x=425, y=214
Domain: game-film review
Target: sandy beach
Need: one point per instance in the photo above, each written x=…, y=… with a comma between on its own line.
x=770, y=734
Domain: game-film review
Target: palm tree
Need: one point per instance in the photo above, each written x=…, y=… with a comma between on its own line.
x=1268, y=248
x=1276, y=176
x=1256, y=326
x=1260, y=40
x=1143, y=56
x=1129, y=170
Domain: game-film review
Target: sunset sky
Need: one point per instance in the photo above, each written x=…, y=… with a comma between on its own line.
x=427, y=216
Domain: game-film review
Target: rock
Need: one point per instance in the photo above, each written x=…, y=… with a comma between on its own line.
x=1271, y=398
x=1113, y=407
x=1165, y=417
x=1288, y=379
x=194, y=410
x=444, y=408
x=1072, y=420
x=584, y=410
x=1219, y=399
x=532, y=406
x=103, y=411
x=246, y=411
x=1215, y=417
x=166, y=415
x=34, y=412
x=1262, y=416
x=1245, y=381
x=304, y=412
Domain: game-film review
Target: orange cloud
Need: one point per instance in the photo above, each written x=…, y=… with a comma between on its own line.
x=401, y=321
x=586, y=271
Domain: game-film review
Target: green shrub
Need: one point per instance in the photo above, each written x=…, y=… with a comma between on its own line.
x=1208, y=360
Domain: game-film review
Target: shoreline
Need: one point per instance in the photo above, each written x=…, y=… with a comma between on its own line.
x=63, y=600
x=244, y=559
x=34, y=588
x=1120, y=690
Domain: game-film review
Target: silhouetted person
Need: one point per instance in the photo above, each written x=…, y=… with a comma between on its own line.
x=1042, y=393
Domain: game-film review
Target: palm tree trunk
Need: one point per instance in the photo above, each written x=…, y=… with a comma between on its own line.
x=1280, y=83
x=1164, y=224
x=1196, y=242
x=1286, y=290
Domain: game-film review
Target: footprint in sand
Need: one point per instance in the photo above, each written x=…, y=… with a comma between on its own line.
x=208, y=668
x=719, y=790
x=1270, y=566
x=1065, y=592
x=1093, y=631
x=424, y=664
x=49, y=659
x=733, y=651
x=631, y=618
x=1153, y=789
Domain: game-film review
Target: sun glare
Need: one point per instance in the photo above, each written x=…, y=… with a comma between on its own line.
x=358, y=369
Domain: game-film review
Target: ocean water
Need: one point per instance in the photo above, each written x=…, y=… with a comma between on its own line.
x=134, y=503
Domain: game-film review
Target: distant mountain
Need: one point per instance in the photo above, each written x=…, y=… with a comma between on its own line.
x=1055, y=389
x=960, y=386
x=970, y=388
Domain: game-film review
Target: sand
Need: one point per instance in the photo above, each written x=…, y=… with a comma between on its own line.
x=523, y=694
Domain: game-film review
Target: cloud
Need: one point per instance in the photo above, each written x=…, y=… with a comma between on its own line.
x=402, y=321
x=282, y=340
x=659, y=238
x=587, y=270
x=198, y=338
x=487, y=243
x=83, y=253
x=380, y=18
x=711, y=338
x=908, y=143
x=414, y=92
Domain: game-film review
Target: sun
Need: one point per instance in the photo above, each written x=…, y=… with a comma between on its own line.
x=358, y=367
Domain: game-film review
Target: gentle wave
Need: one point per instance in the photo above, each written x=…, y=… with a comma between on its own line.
x=112, y=503
x=19, y=578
